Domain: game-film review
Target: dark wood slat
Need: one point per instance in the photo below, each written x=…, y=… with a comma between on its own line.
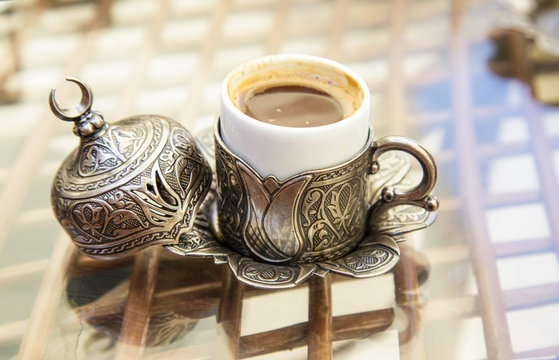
x=320, y=319
x=276, y=36
x=138, y=307
x=495, y=200
x=343, y=328
x=544, y=162
x=230, y=312
x=337, y=29
x=531, y=297
x=517, y=248
x=362, y=324
x=405, y=282
x=549, y=353
x=488, y=151
x=495, y=324
x=192, y=106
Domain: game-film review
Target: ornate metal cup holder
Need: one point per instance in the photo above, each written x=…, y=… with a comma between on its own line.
x=375, y=255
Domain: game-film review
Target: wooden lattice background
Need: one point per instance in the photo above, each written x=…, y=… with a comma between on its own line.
x=483, y=282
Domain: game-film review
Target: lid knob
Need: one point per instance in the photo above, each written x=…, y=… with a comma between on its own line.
x=87, y=123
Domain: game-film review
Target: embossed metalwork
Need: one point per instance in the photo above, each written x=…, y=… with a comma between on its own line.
x=128, y=185
x=314, y=216
x=371, y=258
x=375, y=254
x=418, y=195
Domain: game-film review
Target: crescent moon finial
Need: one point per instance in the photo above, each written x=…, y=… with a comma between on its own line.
x=83, y=108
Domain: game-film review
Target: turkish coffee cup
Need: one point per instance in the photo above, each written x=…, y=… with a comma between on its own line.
x=294, y=150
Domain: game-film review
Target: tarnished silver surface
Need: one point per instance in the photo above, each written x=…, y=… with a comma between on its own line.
x=538, y=20
x=391, y=195
x=128, y=185
x=314, y=216
x=374, y=254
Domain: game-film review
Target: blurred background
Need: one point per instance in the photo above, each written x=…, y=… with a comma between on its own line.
x=475, y=81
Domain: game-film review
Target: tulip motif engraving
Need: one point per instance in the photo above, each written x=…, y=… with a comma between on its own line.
x=270, y=232
x=314, y=216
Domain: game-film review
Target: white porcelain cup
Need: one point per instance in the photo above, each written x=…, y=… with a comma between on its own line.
x=283, y=151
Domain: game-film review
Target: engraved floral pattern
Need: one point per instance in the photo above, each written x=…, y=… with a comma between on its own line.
x=268, y=273
x=127, y=139
x=133, y=204
x=377, y=256
x=232, y=203
x=331, y=216
x=101, y=220
x=368, y=259
x=96, y=159
x=317, y=215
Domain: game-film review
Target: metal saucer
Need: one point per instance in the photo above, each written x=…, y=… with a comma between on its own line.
x=375, y=255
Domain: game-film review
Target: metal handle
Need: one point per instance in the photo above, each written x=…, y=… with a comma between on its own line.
x=419, y=195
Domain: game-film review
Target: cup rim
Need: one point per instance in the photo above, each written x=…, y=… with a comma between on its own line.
x=228, y=104
x=366, y=148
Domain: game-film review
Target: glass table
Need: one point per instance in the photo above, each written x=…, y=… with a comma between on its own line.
x=481, y=282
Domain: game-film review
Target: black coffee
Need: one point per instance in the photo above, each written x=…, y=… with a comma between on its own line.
x=294, y=106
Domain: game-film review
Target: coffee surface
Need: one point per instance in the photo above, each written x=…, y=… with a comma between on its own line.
x=294, y=106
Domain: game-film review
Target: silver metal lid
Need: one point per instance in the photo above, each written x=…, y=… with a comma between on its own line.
x=128, y=185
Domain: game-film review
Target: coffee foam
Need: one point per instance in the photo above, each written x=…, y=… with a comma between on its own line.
x=256, y=78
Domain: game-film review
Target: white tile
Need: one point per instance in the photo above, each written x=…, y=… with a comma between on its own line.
x=356, y=296
x=299, y=353
x=275, y=310
x=366, y=38
x=512, y=130
x=66, y=18
x=228, y=58
x=62, y=144
x=310, y=45
x=551, y=123
x=185, y=7
x=470, y=342
x=134, y=11
x=104, y=76
x=555, y=159
x=433, y=140
x=520, y=222
x=526, y=271
x=45, y=50
x=374, y=71
x=313, y=16
x=106, y=103
x=119, y=40
x=383, y=345
x=430, y=29
x=211, y=97
x=512, y=174
x=108, y=69
x=35, y=83
x=184, y=31
x=534, y=328
x=418, y=64
x=247, y=23
x=164, y=101
x=515, y=94
x=176, y=66
x=26, y=114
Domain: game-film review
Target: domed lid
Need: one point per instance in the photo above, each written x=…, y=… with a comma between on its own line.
x=129, y=185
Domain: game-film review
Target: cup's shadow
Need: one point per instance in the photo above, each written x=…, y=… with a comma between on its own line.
x=377, y=253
